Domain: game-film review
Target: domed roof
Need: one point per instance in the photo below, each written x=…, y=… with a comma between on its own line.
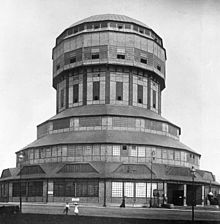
x=109, y=17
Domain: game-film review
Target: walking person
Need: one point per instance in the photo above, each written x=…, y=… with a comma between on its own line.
x=66, y=209
x=76, y=210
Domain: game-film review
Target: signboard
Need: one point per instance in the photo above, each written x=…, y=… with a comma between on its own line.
x=75, y=199
x=50, y=192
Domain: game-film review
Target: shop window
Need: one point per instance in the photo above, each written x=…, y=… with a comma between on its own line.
x=96, y=90
x=140, y=94
x=87, y=189
x=70, y=189
x=116, y=150
x=140, y=190
x=117, y=189
x=119, y=90
x=19, y=188
x=59, y=189
x=76, y=93
x=129, y=189
x=35, y=188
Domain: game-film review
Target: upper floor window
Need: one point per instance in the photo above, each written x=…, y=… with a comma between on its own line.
x=58, y=67
x=72, y=60
x=96, y=90
x=119, y=90
x=76, y=93
x=154, y=99
x=140, y=94
x=159, y=67
x=62, y=98
x=144, y=60
x=95, y=55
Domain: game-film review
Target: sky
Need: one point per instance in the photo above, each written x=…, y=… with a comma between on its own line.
x=190, y=33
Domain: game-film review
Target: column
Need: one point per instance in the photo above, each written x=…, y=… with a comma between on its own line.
x=203, y=195
x=184, y=194
x=165, y=192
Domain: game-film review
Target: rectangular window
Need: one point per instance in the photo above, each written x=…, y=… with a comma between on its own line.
x=113, y=25
x=127, y=26
x=140, y=94
x=133, y=151
x=58, y=67
x=72, y=60
x=70, y=189
x=62, y=98
x=96, y=90
x=144, y=60
x=141, y=151
x=129, y=189
x=159, y=67
x=154, y=186
x=117, y=189
x=35, y=188
x=120, y=26
x=95, y=56
x=61, y=124
x=76, y=93
x=104, y=24
x=18, y=189
x=59, y=188
x=154, y=99
x=120, y=56
x=116, y=150
x=140, y=190
x=119, y=90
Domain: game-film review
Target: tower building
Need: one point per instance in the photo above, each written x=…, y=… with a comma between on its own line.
x=108, y=139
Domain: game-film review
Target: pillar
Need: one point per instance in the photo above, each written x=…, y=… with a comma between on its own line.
x=184, y=194
x=203, y=195
x=165, y=192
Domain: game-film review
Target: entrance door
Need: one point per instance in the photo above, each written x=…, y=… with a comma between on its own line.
x=178, y=197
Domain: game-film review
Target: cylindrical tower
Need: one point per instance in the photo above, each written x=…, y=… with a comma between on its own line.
x=108, y=139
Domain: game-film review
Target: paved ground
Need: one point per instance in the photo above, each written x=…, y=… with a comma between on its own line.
x=129, y=212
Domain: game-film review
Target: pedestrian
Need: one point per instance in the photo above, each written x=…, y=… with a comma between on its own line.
x=66, y=209
x=76, y=210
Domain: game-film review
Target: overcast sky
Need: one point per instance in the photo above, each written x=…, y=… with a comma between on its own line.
x=191, y=36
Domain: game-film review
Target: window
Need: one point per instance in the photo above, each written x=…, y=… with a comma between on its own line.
x=120, y=56
x=141, y=151
x=140, y=190
x=140, y=94
x=141, y=30
x=154, y=186
x=120, y=26
x=104, y=24
x=95, y=56
x=96, y=25
x=72, y=60
x=58, y=67
x=129, y=189
x=119, y=90
x=87, y=189
x=113, y=25
x=96, y=90
x=18, y=189
x=127, y=26
x=59, y=188
x=116, y=150
x=133, y=151
x=70, y=189
x=62, y=98
x=144, y=60
x=89, y=26
x=76, y=93
x=61, y=124
x=35, y=188
x=135, y=27
x=154, y=99
x=117, y=189
x=158, y=67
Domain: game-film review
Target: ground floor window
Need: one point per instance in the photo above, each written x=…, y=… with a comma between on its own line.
x=133, y=189
x=30, y=189
x=76, y=188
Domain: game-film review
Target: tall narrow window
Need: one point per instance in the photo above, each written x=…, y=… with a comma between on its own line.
x=140, y=94
x=154, y=99
x=62, y=98
x=76, y=93
x=119, y=90
x=96, y=90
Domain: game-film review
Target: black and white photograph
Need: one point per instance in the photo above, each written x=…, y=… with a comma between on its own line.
x=110, y=111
